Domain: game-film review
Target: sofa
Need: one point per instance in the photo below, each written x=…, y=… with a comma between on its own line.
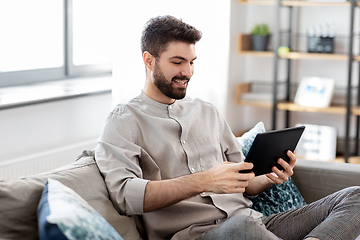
x=19, y=198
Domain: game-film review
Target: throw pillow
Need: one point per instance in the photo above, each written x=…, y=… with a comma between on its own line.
x=247, y=138
x=278, y=198
x=63, y=214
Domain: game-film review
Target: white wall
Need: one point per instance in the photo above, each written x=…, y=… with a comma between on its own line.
x=211, y=67
x=33, y=129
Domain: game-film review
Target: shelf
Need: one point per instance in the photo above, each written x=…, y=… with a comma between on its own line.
x=298, y=55
x=258, y=54
x=298, y=108
x=326, y=56
x=353, y=160
x=356, y=111
x=290, y=106
x=294, y=107
x=244, y=48
x=307, y=3
x=258, y=104
x=257, y=2
x=357, y=58
x=293, y=3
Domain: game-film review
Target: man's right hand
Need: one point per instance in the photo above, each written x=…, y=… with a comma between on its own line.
x=225, y=178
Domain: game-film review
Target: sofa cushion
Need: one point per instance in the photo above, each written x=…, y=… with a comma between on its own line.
x=19, y=199
x=278, y=198
x=63, y=214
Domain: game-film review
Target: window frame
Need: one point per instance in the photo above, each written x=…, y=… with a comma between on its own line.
x=67, y=71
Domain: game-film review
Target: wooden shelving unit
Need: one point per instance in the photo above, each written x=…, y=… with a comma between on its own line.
x=244, y=48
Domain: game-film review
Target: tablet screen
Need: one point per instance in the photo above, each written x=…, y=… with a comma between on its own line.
x=269, y=146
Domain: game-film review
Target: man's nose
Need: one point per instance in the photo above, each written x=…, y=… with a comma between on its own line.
x=187, y=70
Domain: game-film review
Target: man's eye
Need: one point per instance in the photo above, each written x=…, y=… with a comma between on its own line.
x=177, y=63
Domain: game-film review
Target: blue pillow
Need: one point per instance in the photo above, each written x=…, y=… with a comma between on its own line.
x=277, y=198
x=63, y=214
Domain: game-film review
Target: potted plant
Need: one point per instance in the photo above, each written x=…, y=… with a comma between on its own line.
x=260, y=35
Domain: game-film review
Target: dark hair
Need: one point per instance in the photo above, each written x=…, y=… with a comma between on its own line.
x=159, y=31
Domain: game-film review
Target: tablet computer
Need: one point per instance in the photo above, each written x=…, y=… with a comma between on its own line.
x=269, y=146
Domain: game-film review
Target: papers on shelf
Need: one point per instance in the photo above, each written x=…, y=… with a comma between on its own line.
x=318, y=142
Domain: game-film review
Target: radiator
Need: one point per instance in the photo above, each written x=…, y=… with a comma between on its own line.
x=43, y=161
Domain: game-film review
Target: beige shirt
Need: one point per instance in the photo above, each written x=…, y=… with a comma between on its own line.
x=146, y=140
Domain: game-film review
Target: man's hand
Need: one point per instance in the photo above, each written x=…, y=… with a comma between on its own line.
x=278, y=176
x=225, y=178
x=261, y=183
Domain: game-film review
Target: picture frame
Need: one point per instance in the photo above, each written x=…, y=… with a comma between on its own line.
x=315, y=92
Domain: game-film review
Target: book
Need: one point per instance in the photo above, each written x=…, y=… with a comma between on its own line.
x=261, y=97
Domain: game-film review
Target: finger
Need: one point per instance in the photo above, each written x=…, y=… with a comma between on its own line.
x=245, y=176
x=286, y=166
x=292, y=157
x=283, y=175
x=274, y=178
x=245, y=166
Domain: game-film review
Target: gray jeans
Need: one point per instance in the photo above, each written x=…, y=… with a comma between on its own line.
x=336, y=216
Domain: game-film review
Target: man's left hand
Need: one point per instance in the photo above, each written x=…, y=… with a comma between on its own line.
x=281, y=176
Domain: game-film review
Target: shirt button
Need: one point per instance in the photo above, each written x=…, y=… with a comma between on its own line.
x=192, y=169
x=217, y=221
x=183, y=141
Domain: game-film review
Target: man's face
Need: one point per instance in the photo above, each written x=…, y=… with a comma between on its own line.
x=175, y=88
x=173, y=69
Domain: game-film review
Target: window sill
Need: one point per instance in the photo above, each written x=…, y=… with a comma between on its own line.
x=19, y=96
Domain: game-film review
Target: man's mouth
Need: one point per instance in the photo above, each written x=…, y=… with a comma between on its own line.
x=181, y=82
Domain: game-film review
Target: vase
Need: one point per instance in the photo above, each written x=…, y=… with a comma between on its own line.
x=259, y=43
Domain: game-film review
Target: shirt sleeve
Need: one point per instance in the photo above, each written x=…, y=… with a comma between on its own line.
x=117, y=157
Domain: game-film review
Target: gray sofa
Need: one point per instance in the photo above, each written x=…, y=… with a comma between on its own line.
x=19, y=197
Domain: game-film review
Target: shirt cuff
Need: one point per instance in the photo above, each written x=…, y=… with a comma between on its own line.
x=134, y=196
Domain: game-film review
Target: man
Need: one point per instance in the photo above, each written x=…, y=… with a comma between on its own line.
x=175, y=161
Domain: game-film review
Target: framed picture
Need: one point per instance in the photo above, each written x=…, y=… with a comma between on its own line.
x=315, y=92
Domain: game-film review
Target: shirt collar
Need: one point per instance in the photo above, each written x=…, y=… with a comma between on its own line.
x=154, y=103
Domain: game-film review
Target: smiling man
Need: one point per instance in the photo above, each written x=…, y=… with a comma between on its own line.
x=174, y=160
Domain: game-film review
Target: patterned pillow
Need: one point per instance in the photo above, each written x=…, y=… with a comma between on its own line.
x=278, y=198
x=247, y=138
x=63, y=214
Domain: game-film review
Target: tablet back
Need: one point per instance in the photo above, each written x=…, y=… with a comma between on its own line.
x=269, y=146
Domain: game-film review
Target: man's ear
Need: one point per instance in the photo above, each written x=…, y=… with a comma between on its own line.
x=149, y=60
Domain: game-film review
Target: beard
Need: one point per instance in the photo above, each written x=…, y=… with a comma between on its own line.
x=168, y=88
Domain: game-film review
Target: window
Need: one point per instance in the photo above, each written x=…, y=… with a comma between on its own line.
x=44, y=40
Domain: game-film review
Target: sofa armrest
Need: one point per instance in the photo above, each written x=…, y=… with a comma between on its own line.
x=317, y=179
